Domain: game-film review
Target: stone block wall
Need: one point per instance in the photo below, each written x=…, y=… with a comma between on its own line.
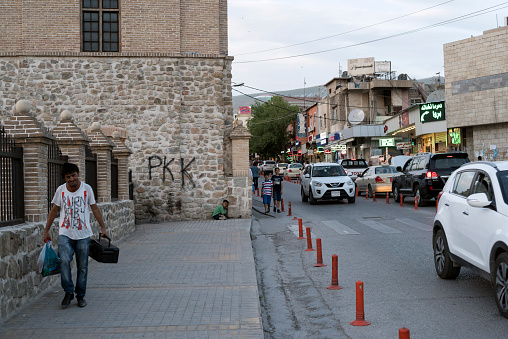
x=20, y=246
x=476, y=86
x=486, y=135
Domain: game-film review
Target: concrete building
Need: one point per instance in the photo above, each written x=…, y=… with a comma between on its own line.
x=158, y=69
x=477, y=94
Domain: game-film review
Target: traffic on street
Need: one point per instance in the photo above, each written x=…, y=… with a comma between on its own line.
x=388, y=247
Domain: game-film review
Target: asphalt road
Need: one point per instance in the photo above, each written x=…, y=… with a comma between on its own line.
x=389, y=249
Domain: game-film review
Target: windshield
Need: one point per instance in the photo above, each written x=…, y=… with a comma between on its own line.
x=386, y=169
x=328, y=171
x=503, y=182
x=296, y=166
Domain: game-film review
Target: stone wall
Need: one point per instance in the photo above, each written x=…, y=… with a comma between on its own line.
x=21, y=245
x=177, y=112
x=486, y=135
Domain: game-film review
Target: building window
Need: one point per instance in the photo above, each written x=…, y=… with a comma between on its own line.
x=100, y=25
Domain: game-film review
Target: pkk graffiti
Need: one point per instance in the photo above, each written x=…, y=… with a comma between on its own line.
x=156, y=161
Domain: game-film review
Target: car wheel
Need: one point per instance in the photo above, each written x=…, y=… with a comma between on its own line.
x=351, y=200
x=442, y=261
x=500, y=283
x=396, y=193
x=418, y=195
x=304, y=197
x=369, y=188
x=311, y=198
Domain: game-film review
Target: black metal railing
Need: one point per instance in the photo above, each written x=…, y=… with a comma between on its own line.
x=55, y=164
x=131, y=186
x=91, y=170
x=12, y=205
x=114, y=178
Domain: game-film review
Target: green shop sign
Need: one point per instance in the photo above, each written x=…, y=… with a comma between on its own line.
x=432, y=111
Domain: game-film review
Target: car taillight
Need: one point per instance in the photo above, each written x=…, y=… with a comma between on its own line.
x=378, y=179
x=345, y=170
x=431, y=175
x=290, y=171
x=439, y=197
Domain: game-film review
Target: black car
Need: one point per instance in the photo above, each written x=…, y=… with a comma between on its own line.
x=424, y=175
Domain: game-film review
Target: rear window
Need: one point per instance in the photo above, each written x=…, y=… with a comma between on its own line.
x=386, y=170
x=269, y=162
x=448, y=162
x=358, y=163
x=328, y=171
x=296, y=166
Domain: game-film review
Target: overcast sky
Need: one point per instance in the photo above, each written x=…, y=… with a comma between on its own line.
x=258, y=25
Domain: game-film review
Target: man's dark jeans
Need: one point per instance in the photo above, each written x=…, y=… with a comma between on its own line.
x=66, y=249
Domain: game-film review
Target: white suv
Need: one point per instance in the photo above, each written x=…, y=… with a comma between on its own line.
x=326, y=181
x=471, y=226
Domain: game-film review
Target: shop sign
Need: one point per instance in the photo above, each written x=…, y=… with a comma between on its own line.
x=432, y=111
x=404, y=145
x=297, y=143
x=454, y=137
x=343, y=152
x=339, y=147
x=332, y=138
x=328, y=151
x=319, y=150
x=404, y=120
x=387, y=142
x=323, y=135
x=310, y=152
x=323, y=141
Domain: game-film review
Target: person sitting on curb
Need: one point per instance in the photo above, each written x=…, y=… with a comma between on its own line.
x=220, y=212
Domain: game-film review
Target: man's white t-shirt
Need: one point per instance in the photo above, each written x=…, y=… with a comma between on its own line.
x=74, y=220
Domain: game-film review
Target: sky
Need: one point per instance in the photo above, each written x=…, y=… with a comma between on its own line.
x=255, y=26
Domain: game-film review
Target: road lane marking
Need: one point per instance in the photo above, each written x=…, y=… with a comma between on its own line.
x=415, y=224
x=339, y=228
x=296, y=231
x=379, y=227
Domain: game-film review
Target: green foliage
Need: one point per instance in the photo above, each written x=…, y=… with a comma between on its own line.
x=268, y=126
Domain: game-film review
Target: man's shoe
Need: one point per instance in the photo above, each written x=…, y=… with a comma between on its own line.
x=278, y=211
x=274, y=209
x=81, y=302
x=67, y=299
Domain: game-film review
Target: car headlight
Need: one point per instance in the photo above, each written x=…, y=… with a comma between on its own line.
x=350, y=182
x=317, y=184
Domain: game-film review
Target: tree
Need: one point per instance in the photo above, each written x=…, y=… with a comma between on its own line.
x=269, y=126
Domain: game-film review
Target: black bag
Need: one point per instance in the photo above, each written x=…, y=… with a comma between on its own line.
x=102, y=251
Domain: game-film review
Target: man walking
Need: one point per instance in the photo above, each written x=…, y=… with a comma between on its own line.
x=74, y=199
x=255, y=177
x=277, y=180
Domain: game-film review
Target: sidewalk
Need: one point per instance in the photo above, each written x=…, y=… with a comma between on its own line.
x=189, y=279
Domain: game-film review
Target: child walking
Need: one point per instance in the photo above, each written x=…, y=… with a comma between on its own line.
x=267, y=192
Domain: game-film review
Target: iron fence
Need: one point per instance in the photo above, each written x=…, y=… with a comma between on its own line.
x=114, y=178
x=91, y=170
x=55, y=164
x=131, y=186
x=12, y=206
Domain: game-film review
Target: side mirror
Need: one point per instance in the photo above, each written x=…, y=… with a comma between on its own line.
x=399, y=169
x=479, y=200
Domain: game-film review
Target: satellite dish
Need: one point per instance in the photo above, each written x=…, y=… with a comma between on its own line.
x=356, y=116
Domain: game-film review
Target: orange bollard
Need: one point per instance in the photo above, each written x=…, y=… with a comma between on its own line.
x=387, y=197
x=319, y=254
x=404, y=333
x=416, y=203
x=360, y=313
x=374, y=196
x=335, y=274
x=356, y=189
x=289, y=214
x=300, y=229
x=282, y=204
x=366, y=194
x=258, y=191
x=309, y=240
x=401, y=200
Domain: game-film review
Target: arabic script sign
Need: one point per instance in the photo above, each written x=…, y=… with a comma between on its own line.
x=360, y=66
x=432, y=111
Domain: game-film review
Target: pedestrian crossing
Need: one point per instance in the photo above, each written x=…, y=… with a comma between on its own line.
x=374, y=224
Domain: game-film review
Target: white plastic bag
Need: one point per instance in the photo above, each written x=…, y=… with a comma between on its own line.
x=40, y=261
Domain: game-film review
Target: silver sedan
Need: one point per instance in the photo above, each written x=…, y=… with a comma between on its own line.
x=376, y=179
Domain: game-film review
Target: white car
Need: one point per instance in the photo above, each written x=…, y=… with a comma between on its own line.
x=293, y=170
x=267, y=166
x=376, y=179
x=471, y=226
x=326, y=181
x=353, y=167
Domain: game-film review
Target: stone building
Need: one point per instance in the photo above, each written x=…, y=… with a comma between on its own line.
x=158, y=69
x=477, y=94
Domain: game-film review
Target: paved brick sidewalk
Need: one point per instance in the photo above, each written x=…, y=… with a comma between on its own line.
x=191, y=279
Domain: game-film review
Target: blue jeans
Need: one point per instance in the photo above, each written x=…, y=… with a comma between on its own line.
x=66, y=249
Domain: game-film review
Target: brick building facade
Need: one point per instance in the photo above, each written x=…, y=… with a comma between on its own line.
x=158, y=69
x=477, y=93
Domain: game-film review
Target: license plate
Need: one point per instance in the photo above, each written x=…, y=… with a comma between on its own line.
x=335, y=193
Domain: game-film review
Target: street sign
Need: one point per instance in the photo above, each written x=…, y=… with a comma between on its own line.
x=404, y=145
x=386, y=142
x=432, y=111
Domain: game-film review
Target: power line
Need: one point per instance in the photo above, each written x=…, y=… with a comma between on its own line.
x=347, y=32
x=459, y=18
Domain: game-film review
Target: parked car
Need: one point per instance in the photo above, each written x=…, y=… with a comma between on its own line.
x=353, y=167
x=376, y=179
x=267, y=166
x=424, y=175
x=281, y=166
x=293, y=170
x=326, y=181
x=471, y=226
